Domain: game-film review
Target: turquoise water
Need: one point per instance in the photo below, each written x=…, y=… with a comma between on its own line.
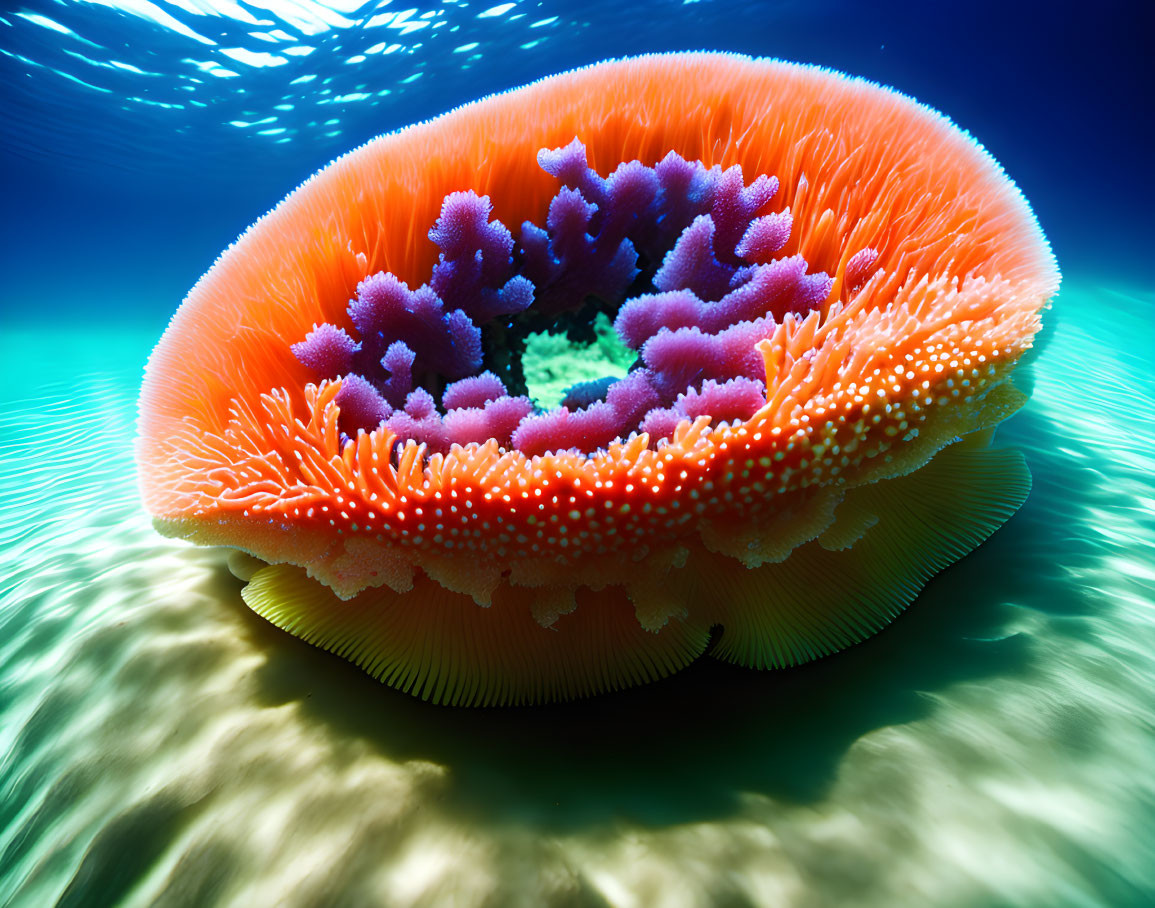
x=996, y=745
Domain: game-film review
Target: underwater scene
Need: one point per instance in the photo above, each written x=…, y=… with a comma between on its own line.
x=545, y=453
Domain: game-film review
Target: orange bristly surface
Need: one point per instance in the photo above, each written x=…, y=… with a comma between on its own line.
x=237, y=446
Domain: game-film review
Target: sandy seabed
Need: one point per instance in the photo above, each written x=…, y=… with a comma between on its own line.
x=161, y=745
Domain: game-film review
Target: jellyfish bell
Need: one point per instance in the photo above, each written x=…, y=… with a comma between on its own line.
x=820, y=286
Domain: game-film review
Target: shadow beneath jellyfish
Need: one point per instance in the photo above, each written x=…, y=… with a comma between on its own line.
x=688, y=748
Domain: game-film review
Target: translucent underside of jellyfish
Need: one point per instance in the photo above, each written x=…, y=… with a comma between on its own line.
x=818, y=286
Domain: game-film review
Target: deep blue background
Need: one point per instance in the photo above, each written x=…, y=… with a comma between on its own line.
x=113, y=213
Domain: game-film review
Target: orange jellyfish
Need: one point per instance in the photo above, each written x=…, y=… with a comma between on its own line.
x=820, y=289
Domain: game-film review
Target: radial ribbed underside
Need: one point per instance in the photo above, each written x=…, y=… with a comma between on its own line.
x=828, y=595
x=236, y=447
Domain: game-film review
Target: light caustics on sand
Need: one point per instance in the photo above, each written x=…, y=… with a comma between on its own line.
x=159, y=744
x=823, y=288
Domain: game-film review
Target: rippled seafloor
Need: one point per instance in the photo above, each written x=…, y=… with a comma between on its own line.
x=160, y=744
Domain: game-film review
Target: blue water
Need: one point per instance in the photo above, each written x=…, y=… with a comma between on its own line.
x=160, y=745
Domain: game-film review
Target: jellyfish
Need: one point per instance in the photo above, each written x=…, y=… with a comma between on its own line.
x=819, y=289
